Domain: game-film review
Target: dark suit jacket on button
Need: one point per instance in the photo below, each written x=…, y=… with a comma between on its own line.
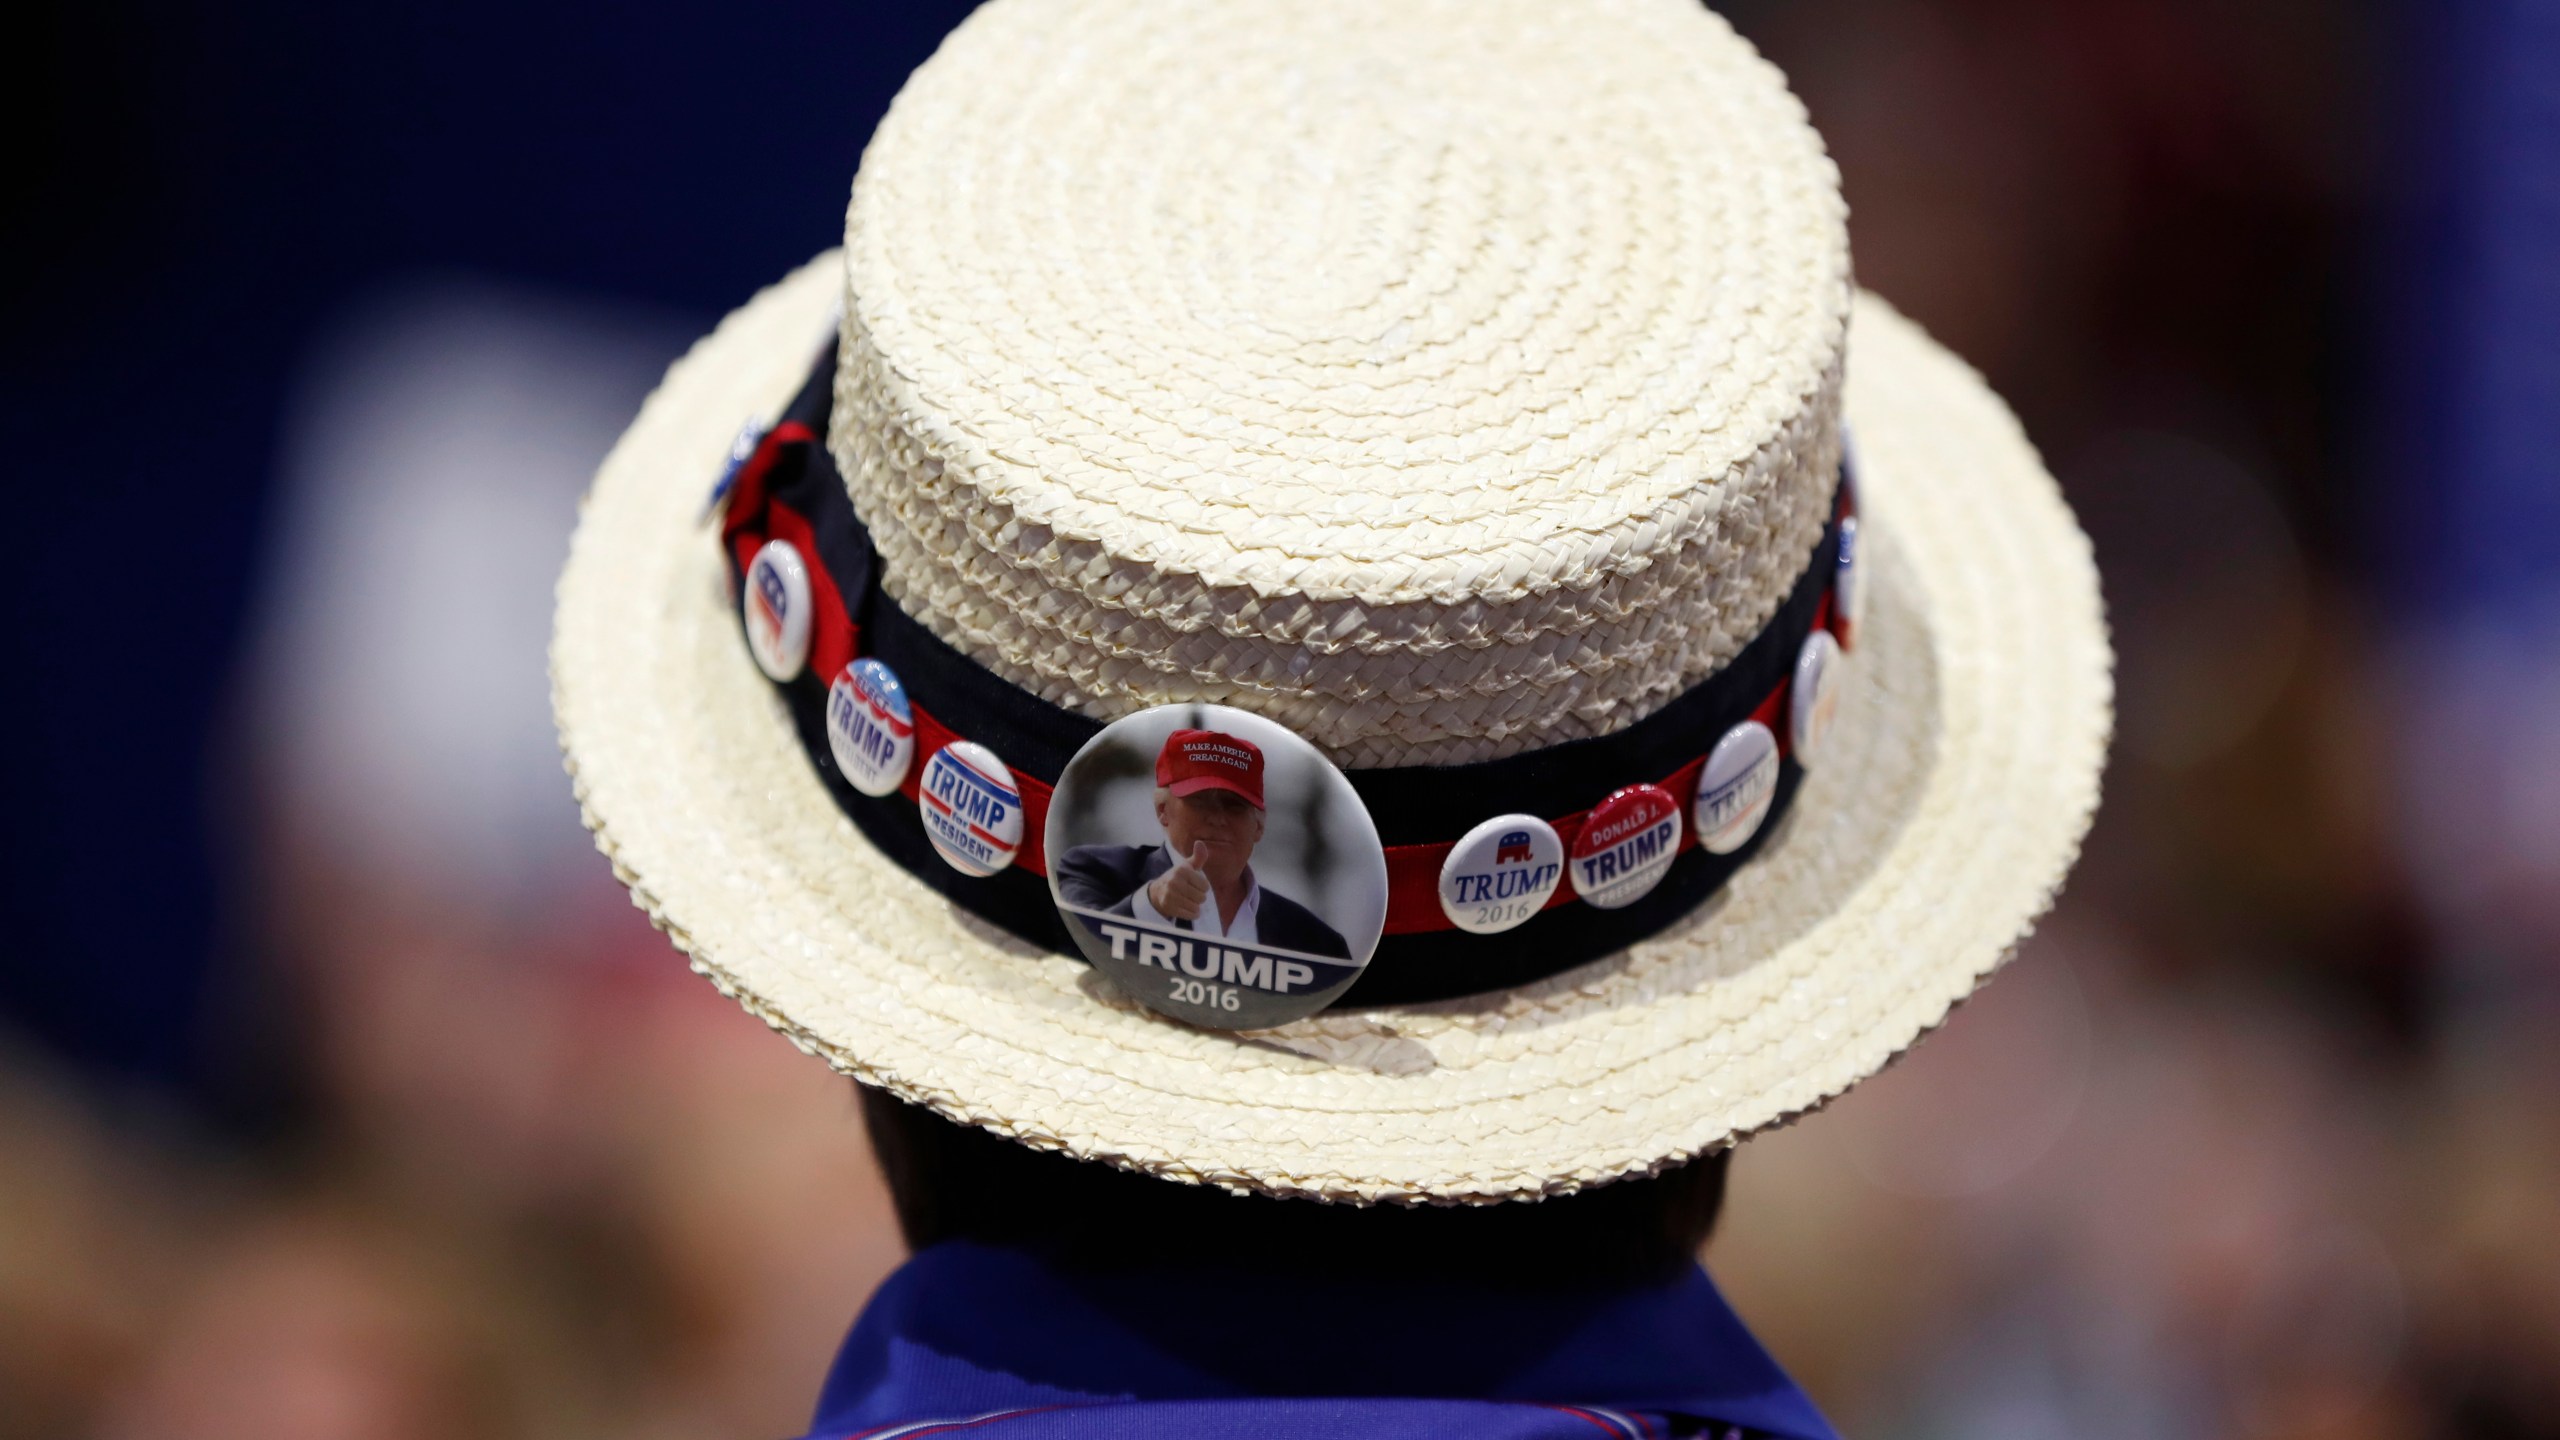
x=1109, y=877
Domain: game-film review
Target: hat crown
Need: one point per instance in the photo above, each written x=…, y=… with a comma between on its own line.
x=1440, y=379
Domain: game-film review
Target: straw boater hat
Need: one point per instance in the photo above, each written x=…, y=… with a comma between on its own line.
x=1465, y=386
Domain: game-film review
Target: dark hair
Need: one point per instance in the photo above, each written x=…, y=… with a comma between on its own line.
x=956, y=1182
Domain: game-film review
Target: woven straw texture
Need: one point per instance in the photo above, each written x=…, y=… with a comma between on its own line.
x=1440, y=378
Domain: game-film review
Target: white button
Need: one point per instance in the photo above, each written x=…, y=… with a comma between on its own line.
x=1848, y=586
x=972, y=809
x=870, y=727
x=1501, y=873
x=778, y=610
x=1816, y=696
x=1735, y=788
x=1626, y=845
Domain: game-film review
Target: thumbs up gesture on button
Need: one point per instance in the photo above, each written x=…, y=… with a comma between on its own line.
x=1178, y=893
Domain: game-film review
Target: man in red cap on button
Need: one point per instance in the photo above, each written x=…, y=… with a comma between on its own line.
x=1200, y=880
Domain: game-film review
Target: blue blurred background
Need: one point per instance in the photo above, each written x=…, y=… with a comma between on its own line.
x=341, y=1093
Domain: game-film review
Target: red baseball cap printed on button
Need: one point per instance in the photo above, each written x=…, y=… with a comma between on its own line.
x=1197, y=760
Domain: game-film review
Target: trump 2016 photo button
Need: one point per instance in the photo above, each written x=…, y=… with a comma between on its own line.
x=871, y=730
x=1501, y=873
x=777, y=609
x=972, y=809
x=1626, y=845
x=1216, y=866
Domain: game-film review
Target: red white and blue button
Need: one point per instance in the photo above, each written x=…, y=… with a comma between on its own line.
x=1626, y=845
x=972, y=808
x=871, y=730
x=1735, y=788
x=741, y=450
x=1501, y=873
x=778, y=610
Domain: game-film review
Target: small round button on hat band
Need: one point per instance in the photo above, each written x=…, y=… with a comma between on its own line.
x=871, y=729
x=972, y=808
x=1626, y=846
x=1736, y=788
x=777, y=606
x=1848, y=585
x=741, y=450
x=1816, y=695
x=1501, y=873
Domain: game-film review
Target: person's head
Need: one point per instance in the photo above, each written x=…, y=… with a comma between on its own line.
x=1221, y=823
x=955, y=1182
x=1209, y=795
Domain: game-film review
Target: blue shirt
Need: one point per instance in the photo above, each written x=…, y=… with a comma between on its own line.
x=1007, y=1346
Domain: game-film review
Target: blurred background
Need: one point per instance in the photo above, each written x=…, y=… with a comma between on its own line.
x=342, y=1094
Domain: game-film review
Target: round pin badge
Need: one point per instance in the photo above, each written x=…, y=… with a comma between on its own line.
x=741, y=450
x=1848, y=588
x=972, y=809
x=1736, y=787
x=1816, y=696
x=1501, y=873
x=1216, y=866
x=1626, y=846
x=871, y=730
x=777, y=610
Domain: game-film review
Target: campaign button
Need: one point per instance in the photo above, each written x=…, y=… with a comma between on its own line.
x=1215, y=866
x=871, y=730
x=1816, y=696
x=1848, y=588
x=1501, y=873
x=972, y=809
x=741, y=450
x=1735, y=788
x=1626, y=846
x=777, y=608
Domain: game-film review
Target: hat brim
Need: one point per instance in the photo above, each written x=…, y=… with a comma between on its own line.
x=1951, y=798
x=1196, y=784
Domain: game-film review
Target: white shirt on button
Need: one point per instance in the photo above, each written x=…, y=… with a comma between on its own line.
x=1207, y=926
